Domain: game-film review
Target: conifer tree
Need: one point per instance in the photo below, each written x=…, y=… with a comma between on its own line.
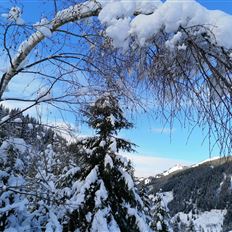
x=105, y=198
x=14, y=215
x=161, y=219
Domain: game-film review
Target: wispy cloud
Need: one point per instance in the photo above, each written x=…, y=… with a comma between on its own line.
x=163, y=130
x=151, y=165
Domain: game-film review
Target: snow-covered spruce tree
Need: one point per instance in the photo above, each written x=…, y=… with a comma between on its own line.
x=161, y=219
x=14, y=213
x=105, y=198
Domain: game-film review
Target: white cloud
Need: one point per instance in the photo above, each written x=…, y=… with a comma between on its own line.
x=151, y=165
x=163, y=130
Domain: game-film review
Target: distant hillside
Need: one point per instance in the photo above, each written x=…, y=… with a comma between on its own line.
x=201, y=188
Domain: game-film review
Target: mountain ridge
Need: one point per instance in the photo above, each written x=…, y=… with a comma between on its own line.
x=199, y=191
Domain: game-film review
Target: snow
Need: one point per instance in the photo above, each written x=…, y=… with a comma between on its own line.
x=5, y=118
x=44, y=27
x=102, y=143
x=108, y=161
x=214, y=218
x=88, y=216
x=147, y=181
x=113, y=226
x=53, y=224
x=113, y=145
x=159, y=226
x=173, y=169
x=117, y=15
x=81, y=187
x=127, y=178
x=208, y=220
x=30, y=126
x=20, y=205
x=123, y=159
x=116, y=9
x=99, y=223
x=18, y=120
x=173, y=41
x=100, y=195
x=72, y=171
x=205, y=161
x=121, y=23
x=221, y=183
x=166, y=198
x=18, y=144
x=182, y=47
x=14, y=15
x=120, y=40
x=142, y=225
x=73, y=12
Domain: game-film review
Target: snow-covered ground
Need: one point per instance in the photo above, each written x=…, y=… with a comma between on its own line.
x=209, y=221
x=173, y=169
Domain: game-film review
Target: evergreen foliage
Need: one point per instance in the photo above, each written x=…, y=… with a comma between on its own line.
x=161, y=218
x=107, y=198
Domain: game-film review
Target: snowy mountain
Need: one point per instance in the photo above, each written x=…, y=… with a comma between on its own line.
x=176, y=168
x=202, y=195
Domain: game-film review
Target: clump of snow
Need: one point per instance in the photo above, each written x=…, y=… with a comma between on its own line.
x=14, y=15
x=173, y=41
x=113, y=145
x=18, y=120
x=117, y=9
x=117, y=15
x=30, y=126
x=101, y=194
x=108, y=161
x=182, y=47
x=128, y=179
x=44, y=27
x=119, y=39
x=121, y=23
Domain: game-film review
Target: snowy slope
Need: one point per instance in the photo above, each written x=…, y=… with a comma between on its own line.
x=173, y=169
x=211, y=221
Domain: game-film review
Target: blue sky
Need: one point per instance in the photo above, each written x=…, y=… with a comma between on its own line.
x=160, y=147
